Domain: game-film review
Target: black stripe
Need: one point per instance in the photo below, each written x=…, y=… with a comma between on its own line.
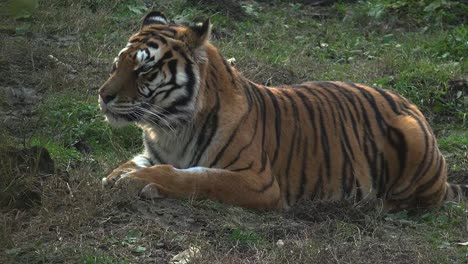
x=261, y=111
x=358, y=191
x=371, y=100
x=397, y=141
x=337, y=101
x=389, y=99
x=189, y=87
x=207, y=133
x=292, y=146
x=382, y=175
x=250, y=99
x=169, y=91
x=231, y=137
x=350, y=100
x=420, y=172
x=192, y=138
x=430, y=183
x=323, y=132
x=371, y=155
x=244, y=168
x=153, y=45
x=318, y=185
x=345, y=177
x=165, y=30
x=159, y=65
x=277, y=119
x=330, y=105
x=303, y=181
x=424, y=166
x=162, y=39
x=308, y=106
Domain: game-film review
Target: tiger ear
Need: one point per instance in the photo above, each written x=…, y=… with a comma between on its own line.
x=154, y=17
x=199, y=34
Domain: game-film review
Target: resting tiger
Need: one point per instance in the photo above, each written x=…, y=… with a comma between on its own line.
x=210, y=133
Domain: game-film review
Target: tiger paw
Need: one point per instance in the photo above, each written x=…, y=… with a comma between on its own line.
x=126, y=184
x=115, y=176
x=131, y=185
x=151, y=191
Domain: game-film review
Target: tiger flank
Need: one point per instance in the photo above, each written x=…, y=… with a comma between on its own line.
x=210, y=133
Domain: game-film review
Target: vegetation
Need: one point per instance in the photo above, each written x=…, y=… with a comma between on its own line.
x=54, y=55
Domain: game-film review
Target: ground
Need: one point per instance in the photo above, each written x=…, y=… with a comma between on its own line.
x=55, y=146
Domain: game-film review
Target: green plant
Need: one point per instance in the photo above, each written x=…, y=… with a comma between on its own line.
x=452, y=45
x=419, y=12
x=248, y=237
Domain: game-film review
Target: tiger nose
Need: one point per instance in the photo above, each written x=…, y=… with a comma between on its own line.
x=106, y=98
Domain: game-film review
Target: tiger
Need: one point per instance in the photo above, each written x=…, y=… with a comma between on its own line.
x=211, y=133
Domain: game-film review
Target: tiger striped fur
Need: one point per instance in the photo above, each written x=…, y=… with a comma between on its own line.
x=210, y=133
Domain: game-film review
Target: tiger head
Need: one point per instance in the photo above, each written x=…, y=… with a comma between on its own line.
x=155, y=79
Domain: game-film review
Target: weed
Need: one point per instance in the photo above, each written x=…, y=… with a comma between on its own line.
x=417, y=13
x=246, y=237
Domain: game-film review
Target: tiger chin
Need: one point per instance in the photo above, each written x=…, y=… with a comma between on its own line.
x=210, y=133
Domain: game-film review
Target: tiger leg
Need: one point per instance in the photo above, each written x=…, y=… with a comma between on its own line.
x=246, y=188
x=420, y=179
x=138, y=162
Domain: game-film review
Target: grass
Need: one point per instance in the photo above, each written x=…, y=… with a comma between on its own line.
x=414, y=47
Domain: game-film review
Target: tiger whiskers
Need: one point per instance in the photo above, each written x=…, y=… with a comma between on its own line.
x=154, y=113
x=142, y=117
x=156, y=110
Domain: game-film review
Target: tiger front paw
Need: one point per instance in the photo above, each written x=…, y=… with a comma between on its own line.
x=130, y=184
x=110, y=180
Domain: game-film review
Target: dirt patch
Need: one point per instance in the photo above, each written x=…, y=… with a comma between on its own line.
x=22, y=173
x=319, y=211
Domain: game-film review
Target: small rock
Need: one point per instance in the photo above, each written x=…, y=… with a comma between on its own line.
x=280, y=243
x=160, y=245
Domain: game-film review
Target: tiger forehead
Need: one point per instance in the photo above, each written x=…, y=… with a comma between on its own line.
x=160, y=32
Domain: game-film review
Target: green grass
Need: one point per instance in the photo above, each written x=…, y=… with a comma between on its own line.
x=457, y=140
x=247, y=237
x=69, y=122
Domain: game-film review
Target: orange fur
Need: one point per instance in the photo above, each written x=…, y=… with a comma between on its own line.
x=270, y=147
